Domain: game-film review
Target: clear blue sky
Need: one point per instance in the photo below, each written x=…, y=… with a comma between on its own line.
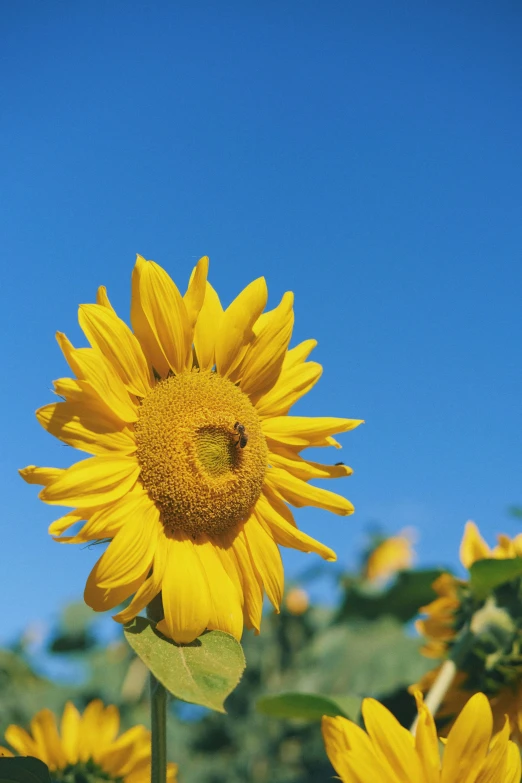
x=365, y=155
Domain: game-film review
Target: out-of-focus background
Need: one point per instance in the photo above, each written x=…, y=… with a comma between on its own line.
x=361, y=645
x=365, y=155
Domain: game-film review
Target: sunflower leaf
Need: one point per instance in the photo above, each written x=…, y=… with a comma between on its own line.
x=203, y=672
x=308, y=706
x=23, y=769
x=487, y=574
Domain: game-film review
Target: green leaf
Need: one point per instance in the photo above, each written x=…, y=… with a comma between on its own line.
x=367, y=658
x=487, y=574
x=308, y=706
x=23, y=769
x=410, y=591
x=203, y=672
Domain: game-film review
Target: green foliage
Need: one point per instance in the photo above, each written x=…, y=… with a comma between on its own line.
x=411, y=590
x=203, y=672
x=486, y=575
x=325, y=651
x=308, y=706
x=23, y=770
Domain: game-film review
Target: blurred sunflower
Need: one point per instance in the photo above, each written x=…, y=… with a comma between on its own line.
x=87, y=747
x=195, y=455
x=391, y=554
x=388, y=753
x=494, y=663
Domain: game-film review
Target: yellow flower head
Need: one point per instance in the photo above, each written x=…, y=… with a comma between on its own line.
x=493, y=665
x=195, y=456
x=87, y=744
x=391, y=555
x=387, y=753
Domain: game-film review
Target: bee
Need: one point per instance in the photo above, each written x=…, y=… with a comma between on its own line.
x=242, y=438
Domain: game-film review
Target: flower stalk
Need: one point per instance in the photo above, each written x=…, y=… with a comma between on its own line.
x=446, y=675
x=158, y=712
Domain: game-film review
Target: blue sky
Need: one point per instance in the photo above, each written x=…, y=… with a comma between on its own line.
x=365, y=155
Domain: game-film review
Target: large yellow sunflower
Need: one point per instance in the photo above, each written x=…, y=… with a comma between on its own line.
x=195, y=456
x=494, y=668
x=87, y=746
x=388, y=753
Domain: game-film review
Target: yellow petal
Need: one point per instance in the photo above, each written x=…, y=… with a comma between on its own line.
x=159, y=318
x=426, y=742
x=494, y=766
x=130, y=553
x=506, y=548
x=84, y=430
x=235, y=332
x=110, y=335
x=299, y=353
x=251, y=582
x=93, y=482
x=104, y=522
x=125, y=752
x=185, y=593
x=473, y=547
x=266, y=558
x=226, y=613
x=108, y=728
x=224, y=550
x=286, y=534
x=513, y=766
x=468, y=741
x=21, y=741
x=208, y=326
x=292, y=384
x=69, y=730
x=351, y=753
x=142, y=329
x=82, y=393
x=305, y=430
x=196, y=290
x=102, y=599
x=304, y=470
x=394, y=745
x=336, y=744
x=45, y=733
x=59, y=526
x=90, y=365
x=89, y=724
x=150, y=587
x=103, y=299
x=264, y=359
x=298, y=493
x=41, y=476
x=5, y=753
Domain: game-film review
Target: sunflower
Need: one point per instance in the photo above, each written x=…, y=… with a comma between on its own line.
x=494, y=664
x=86, y=747
x=389, y=556
x=195, y=458
x=388, y=753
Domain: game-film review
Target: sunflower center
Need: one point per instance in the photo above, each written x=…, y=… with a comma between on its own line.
x=202, y=452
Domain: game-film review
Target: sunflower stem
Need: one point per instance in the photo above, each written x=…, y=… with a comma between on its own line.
x=447, y=673
x=158, y=723
x=158, y=717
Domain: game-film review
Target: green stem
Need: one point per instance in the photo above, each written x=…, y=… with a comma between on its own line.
x=158, y=714
x=158, y=723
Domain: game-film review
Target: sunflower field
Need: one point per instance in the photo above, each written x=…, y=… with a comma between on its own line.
x=190, y=475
